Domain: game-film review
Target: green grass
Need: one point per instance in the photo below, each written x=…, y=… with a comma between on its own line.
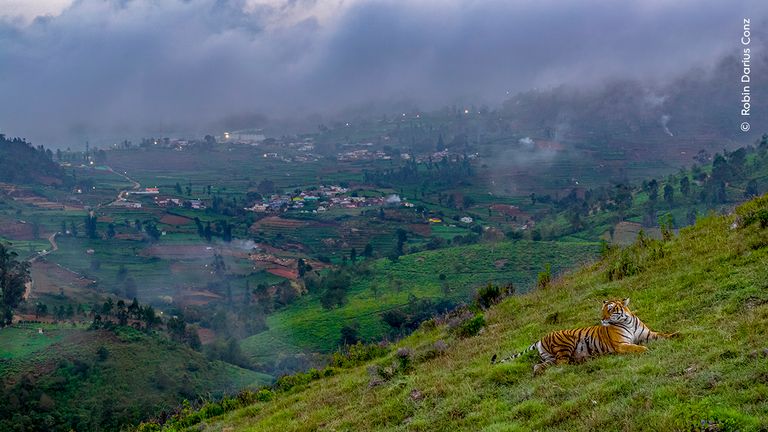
x=305, y=325
x=708, y=283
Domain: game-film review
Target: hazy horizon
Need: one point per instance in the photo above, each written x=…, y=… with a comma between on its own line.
x=104, y=69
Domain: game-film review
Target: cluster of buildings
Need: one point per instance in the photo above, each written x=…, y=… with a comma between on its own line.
x=363, y=154
x=323, y=199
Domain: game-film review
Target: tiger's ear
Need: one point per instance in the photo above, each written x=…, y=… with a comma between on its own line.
x=626, y=301
x=605, y=302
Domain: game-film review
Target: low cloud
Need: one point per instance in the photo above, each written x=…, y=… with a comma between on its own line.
x=107, y=69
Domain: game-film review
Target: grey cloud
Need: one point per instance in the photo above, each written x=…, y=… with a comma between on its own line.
x=109, y=68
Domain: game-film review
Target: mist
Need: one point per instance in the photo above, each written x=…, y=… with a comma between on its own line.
x=104, y=70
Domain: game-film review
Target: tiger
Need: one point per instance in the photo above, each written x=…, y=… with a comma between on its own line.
x=620, y=331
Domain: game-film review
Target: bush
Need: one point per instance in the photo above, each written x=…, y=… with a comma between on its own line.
x=491, y=294
x=625, y=265
x=470, y=327
x=545, y=277
x=358, y=354
x=404, y=358
x=149, y=427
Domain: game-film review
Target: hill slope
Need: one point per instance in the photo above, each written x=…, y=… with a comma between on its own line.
x=70, y=378
x=385, y=285
x=709, y=283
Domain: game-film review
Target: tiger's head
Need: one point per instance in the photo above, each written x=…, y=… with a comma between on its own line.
x=615, y=311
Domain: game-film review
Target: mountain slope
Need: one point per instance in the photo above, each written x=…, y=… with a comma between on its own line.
x=709, y=283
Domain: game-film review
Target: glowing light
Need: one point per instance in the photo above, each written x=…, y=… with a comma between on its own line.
x=466, y=111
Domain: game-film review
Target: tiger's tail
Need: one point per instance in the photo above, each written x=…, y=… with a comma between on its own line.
x=514, y=356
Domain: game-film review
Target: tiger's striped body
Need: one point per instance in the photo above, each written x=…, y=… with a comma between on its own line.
x=621, y=332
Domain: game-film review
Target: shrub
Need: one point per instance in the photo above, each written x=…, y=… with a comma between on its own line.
x=405, y=358
x=545, y=277
x=358, y=354
x=488, y=295
x=436, y=350
x=470, y=327
x=149, y=427
x=264, y=395
x=625, y=265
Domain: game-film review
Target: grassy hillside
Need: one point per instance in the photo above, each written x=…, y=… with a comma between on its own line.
x=305, y=325
x=709, y=283
x=68, y=377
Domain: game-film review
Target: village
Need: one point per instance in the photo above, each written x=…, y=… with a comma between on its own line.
x=322, y=199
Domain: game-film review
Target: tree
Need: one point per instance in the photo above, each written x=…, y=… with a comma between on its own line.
x=14, y=276
x=353, y=255
x=669, y=194
x=152, y=231
x=302, y=267
x=41, y=309
x=177, y=188
x=111, y=230
x=207, y=232
x=108, y=306
x=402, y=237
x=176, y=328
x=349, y=334
x=90, y=226
x=685, y=186
x=653, y=190
x=73, y=229
x=368, y=251
x=122, y=313
x=134, y=310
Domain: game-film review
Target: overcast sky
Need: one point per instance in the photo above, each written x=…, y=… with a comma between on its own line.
x=107, y=68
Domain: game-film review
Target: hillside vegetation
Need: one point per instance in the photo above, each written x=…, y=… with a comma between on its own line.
x=448, y=276
x=709, y=283
x=22, y=163
x=61, y=377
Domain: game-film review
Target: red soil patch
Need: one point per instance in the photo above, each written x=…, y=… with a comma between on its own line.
x=170, y=219
x=197, y=298
x=50, y=278
x=423, y=230
x=284, y=272
x=276, y=222
x=16, y=230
